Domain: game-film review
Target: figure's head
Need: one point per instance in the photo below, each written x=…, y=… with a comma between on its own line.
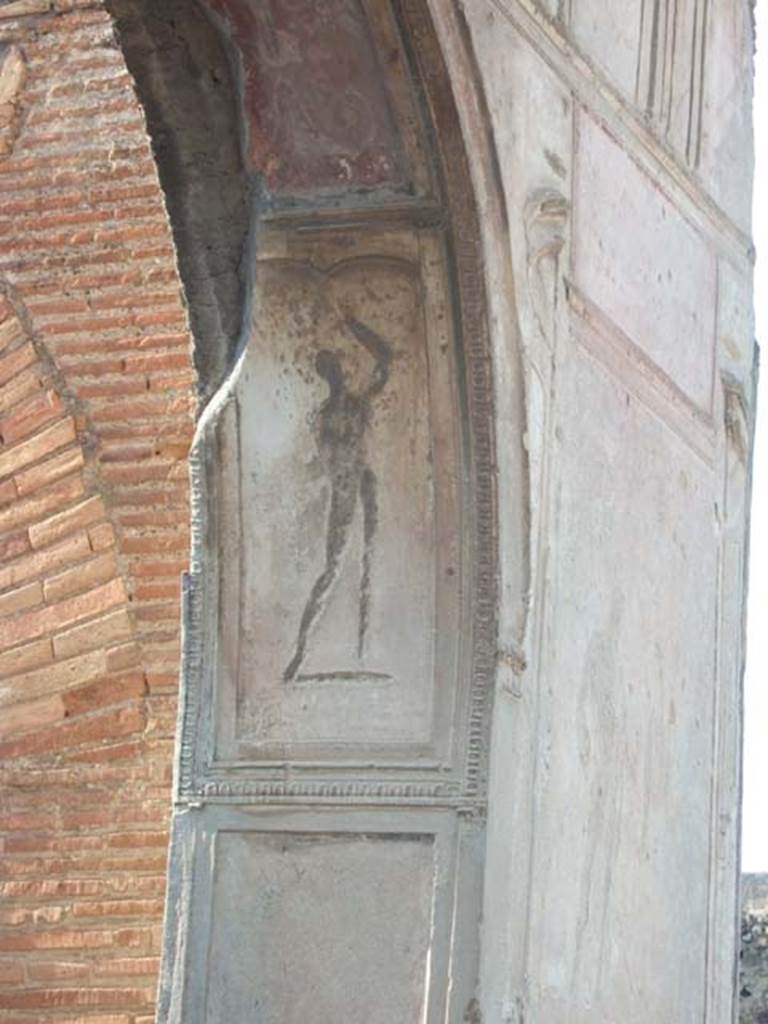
x=328, y=366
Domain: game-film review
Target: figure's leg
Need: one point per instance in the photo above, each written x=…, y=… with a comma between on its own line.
x=341, y=513
x=370, y=522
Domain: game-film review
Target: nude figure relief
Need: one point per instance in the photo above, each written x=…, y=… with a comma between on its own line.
x=341, y=426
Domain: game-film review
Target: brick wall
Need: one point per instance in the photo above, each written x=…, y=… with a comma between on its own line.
x=96, y=406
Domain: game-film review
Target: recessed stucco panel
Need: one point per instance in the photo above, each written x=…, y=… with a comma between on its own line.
x=347, y=577
x=725, y=156
x=625, y=763
x=638, y=259
x=320, y=927
x=609, y=34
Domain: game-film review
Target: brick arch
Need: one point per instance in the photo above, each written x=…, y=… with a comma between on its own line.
x=97, y=397
x=65, y=626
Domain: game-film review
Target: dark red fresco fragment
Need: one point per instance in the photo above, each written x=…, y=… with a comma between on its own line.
x=316, y=103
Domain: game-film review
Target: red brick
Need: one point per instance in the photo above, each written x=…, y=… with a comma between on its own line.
x=31, y=715
x=158, y=612
x=52, y=889
x=157, y=591
x=114, y=389
x=170, y=567
x=140, y=472
x=13, y=545
x=137, y=340
x=116, y=752
x=30, y=624
x=33, y=508
x=157, y=361
x=68, y=461
x=61, y=674
x=95, y=728
x=11, y=972
x=90, y=1017
x=138, y=840
x=99, y=368
x=16, y=361
x=138, y=966
x=43, y=443
x=8, y=492
x=122, y=657
x=101, y=537
x=103, y=694
x=36, y=204
x=96, y=633
x=54, y=970
x=102, y=998
x=21, y=598
x=126, y=451
x=20, y=387
x=30, y=416
x=119, y=909
x=162, y=682
x=81, y=577
x=134, y=299
x=151, y=407
x=66, y=552
x=10, y=332
x=53, y=844
x=54, y=528
x=23, y=659
x=74, y=939
x=22, y=822
x=157, y=543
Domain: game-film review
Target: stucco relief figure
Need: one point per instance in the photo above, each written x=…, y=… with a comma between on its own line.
x=346, y=436
x=340, y=427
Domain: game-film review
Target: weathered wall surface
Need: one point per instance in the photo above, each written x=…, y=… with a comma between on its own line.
x=96, y=400
x=609, y=146
x=625, y=159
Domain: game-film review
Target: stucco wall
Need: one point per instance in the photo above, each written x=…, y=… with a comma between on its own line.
x=624, y=152
x=611, y=159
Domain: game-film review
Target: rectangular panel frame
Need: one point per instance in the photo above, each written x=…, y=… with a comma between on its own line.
x=450, y=966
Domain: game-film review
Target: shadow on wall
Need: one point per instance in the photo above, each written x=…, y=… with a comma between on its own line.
x=185, y=80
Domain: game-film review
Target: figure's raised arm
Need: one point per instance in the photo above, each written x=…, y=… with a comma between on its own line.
x=376, y=347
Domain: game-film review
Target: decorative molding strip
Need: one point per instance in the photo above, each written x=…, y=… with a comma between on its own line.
x=607, y=343
x=698, y=67
x=671, y=61
x=656, y=60
x=329, y=791
x=628, y=126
